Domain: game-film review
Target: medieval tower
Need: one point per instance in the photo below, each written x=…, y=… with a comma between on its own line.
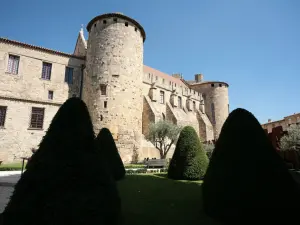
x=108, y=73
x=216, y=102
x=112, y=87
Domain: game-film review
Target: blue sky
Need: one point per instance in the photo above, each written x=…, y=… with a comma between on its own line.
x=254, y=45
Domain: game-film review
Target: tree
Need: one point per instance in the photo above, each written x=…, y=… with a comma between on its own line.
x=247, y=181
x=110, y=153
x=189, y=161
x=66, y=181
x=291, y=141
x=208, y=148
x=163, y=135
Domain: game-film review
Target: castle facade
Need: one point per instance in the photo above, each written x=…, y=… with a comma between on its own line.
x=108, y=73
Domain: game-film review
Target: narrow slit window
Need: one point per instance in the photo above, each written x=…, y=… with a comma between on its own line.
x=103, y=89
x=3, y=110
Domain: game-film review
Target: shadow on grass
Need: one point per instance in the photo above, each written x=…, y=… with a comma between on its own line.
x=149, y=199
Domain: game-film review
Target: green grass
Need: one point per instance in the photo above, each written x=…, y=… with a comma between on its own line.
x=133, y=166
x=11, y=166
x=152, y=199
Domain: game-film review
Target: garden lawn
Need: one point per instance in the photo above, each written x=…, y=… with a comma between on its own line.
x=152, y=199
x=11, y=166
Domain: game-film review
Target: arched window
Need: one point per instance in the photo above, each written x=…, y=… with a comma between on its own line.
x=101, y=117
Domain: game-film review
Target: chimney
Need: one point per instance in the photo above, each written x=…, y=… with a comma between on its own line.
x=269, y=120
x=198, y=78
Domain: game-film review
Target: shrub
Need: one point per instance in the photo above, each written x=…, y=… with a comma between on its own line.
x=189, y=161
x=65, y=182
x=110, y=153
x=247, y=181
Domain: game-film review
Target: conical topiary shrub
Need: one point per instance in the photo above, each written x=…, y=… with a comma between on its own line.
x=247, y=182
x=110, y=154
x=65, y=181
x=189, y=161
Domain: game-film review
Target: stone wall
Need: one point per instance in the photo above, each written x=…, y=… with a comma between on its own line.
x=115, y=60
x=24, y=90
x=16, y=137
x=285, y=122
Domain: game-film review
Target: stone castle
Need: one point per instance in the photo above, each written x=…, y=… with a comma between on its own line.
x=108, y=73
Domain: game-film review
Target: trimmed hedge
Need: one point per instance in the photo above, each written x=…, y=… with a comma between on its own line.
x=247, y=181
x=110, y=154
x=189, y=161
x=66, y=181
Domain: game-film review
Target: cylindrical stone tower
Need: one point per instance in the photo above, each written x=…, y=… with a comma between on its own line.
x=112, y=87
x=216, y=100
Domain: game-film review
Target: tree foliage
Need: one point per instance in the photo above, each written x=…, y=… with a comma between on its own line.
x=189, y=161
x=247, y=181
x=208, y=148
x=110, y=154
x=66, y=181
x=163, y=135
x=291, y=141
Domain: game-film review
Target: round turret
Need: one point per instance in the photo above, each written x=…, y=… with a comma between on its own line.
x=112, y=87
x=216, y=100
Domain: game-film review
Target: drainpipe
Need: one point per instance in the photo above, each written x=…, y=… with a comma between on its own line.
x=81, y=81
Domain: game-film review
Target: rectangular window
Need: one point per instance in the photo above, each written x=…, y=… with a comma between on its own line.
x=2, y=115
x=162, y=97
x=103, y=89
x=179, y=102
x=213, y=113
x=50, y=95
x=37, y=118
x=46, y=72
x=194, y=105
x=69, y=75
x=13, y=64
x=105, y=104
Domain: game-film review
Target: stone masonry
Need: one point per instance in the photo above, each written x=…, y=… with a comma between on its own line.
x=108, y=73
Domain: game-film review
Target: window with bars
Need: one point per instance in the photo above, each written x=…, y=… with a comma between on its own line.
x=2, y=115
x=69, y=75
x=50, y=95
x=162, y=97
x=179, y=102
x=103, y=89
x=46, y=72
x=37, y=118
x=13, y=64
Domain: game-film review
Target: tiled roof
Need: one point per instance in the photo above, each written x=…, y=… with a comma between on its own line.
x=38, y=48
x=117, y=15
x=162, y=75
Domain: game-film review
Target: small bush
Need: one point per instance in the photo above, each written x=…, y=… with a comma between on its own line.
x=66, y=182
x=110, y=154
x=189, y=161
x=247, y=181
